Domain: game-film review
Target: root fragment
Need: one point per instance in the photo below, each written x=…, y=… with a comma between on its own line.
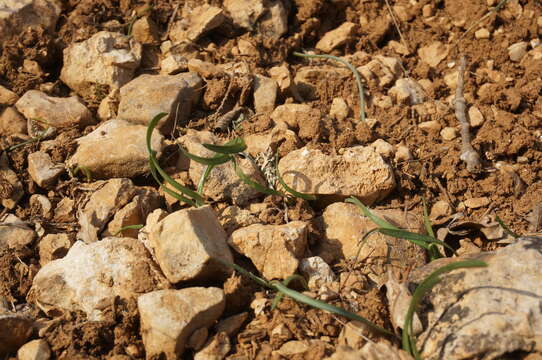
x=468, y=154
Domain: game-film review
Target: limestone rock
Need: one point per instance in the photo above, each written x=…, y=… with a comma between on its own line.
x=169, y=317
x=517, y=51
x=317, y=271
x=285, y=81
x=359, y=171
x=42, y=169
x=274, y=23
x=232, y=324
x=90, y=277
x=244, y=13
x=337, y=37
x=408, y=92
x=145, y=31
x=188, y=245
x=344, y=226
x=476, y=118
x=449, y=133
x=265, y=94
x=290, y=114
x=115, y=149
x=275, y=250
x=148, y=95
x=53, y=246
x=20, y=15
x=173, y=64
x=34, y=350
x=217, y=348
x=339, y=109
x=135, y=212
x=202, y=19
x=15, y=330
x=11, y=189
x=11, y=122
x=222, y=183
x=484, y=312
x=106, y=200
x=433, y=53
x=41, y=206
x=7, y=97
x=233, y=217
x=15, y=233
x=54, y=111
x=107, y=59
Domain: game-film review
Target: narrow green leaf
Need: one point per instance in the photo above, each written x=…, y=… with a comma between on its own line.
x=295, y=193
x=247, y=180
x=426, y=221
x=408, y=339
x=286, y=282
x=354, y=71
x=234, y=146
x=327, y=307
x=238, y=268
x=418, y=239
x=506, y=228
x=217, y=160
x=170, y=192
x=365, y=210
x=198, y=199
x=129, y=227
x=204, y=177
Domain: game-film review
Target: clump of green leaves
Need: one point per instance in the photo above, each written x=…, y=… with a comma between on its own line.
x=229, y=152
x=428, y=242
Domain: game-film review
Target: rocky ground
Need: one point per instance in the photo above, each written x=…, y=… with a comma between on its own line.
x=98, y=262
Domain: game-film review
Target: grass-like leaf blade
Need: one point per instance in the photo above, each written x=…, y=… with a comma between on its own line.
x=234, y=146
x=198, y=199
x=419, y=239
x=289, y=189
x=216, y=160
x=247, y=180
x=365, y=210
x=327, y=307
x=408, y=340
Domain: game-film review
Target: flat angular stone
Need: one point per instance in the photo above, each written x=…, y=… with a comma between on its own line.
x=52, y=111
x=15, y=233
x=484, y=312
x=275, y=250
x=359, y=171
x=42, y=169
x=188, y=243
x=19, y=15
x=107, y=59
x=336, y=37
x=115, y=149
x=170, y=317
x=148, y=95
x=90, y=277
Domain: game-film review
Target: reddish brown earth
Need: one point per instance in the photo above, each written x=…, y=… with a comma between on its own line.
x=512, y=136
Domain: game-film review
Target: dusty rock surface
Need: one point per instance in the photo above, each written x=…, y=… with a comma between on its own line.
x=359, y=172
x=469, y=306
x=116, y=148
x=274, y=250
x=190, y=244
x=90, y=277
x=180, y=313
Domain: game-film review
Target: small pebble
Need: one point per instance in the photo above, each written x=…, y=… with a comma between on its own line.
x=483, y=33
x=475, y=203
x=517, y=51
x=475, y=116
x=431, y=125
x=448, y=133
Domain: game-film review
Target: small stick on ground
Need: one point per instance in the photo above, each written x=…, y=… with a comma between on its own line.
x=468, y=154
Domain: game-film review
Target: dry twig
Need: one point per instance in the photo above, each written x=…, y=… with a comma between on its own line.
x=468, y=154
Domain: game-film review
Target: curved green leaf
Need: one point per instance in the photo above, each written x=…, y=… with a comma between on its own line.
x=408, y=339
x=365, y=210
x=247, y=180
x=198, y=199
x=234, y=146
x=289, y=189
x=217, y=160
